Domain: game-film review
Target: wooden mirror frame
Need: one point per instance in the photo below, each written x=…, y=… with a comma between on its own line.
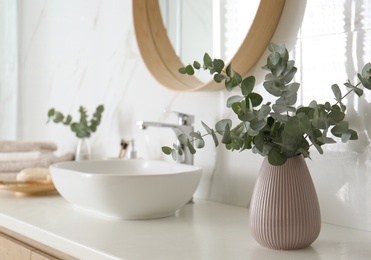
x=162, y=61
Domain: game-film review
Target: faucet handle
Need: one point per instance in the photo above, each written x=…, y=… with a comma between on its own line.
x=183, y=119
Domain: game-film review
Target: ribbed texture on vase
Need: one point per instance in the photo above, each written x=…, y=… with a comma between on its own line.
x=284, y=209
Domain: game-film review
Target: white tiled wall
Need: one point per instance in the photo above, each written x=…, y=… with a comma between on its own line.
x=76, y=53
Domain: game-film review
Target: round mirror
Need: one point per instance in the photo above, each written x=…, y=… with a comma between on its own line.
x=217, y=27
x=163, y=62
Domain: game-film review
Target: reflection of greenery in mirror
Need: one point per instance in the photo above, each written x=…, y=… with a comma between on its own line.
x=217, y=27
x=162, y=61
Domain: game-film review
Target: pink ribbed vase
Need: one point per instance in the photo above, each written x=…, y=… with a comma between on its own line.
x=284, y=209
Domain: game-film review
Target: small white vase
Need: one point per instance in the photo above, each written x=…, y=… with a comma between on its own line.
x=284, y=209
x=83, y=150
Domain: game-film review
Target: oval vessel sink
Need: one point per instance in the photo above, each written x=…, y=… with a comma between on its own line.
x=127, y=189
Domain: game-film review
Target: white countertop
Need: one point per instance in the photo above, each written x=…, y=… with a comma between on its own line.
x=200, y=231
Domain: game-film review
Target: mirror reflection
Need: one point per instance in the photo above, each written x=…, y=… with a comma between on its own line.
x=217, y=27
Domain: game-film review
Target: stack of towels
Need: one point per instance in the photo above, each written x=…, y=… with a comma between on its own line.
x=16, y=156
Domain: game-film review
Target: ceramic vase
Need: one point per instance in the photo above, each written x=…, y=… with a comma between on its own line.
x=284, y=209
x=83, y=150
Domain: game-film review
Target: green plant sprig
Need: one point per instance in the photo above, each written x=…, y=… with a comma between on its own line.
x=278, y=130
x=84, y=128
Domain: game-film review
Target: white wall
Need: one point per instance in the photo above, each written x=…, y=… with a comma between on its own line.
x=8, y=69
x=76, y=53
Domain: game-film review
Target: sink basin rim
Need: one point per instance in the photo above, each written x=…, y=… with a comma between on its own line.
x=88, y=168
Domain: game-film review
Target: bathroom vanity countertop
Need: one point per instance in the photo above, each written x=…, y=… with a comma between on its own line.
x=200, y=231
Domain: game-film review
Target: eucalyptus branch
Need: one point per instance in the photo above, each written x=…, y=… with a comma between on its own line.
x=84, y=128
x=277, y=130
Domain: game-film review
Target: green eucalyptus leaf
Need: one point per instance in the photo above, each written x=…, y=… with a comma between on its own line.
x=284, y=53
x=247, y=85
x=215, y=138
x=175, y=155
x=219, y=78
x=263, y=112
x=280, y=118
x=293, y=127
x=68, y=120
x=289, y=65
x=366, y=70
x=207, y=60
x=199, y=143
x=182, y=70
x=279, y=70
x=273, y=60
x=353, y=135
x=237, y=77
x=100, y=109
x=340, y=128
x=196, y=65
x=272, y=89
x=279, y=108
x=366, y=76
x=345, y=137
x=336, y=90
x=328, y=106
x=313, y=104
x=256, y=99
x=233, y=99
x=218, y=65
x=336, y=116
x=191, y=149
x=233, y=82
x=227, y=135
x=358, y=91
x=326, y=140
x=229, y=70
x=318, y=147
x=208, y=129
x=178, y=149
x=167, y=150
x=189, y=70
x=289, y=75
x=93, y=128
x=58, y=117
x=196, y=135
x=342, y=107
x=272, y=47
x=51, y=112
x=304, y=110
x=290, y=89
x=246, y=116
x=290, y=101
x=258, y=125
x=259, y=141
x=276, y=157
x=183, y=139
x=221, y=125
x=349, y=85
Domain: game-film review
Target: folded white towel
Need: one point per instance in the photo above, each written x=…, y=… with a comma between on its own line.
x=24, y=156
x=8, y=176
x=17, y=166
x=19, y=146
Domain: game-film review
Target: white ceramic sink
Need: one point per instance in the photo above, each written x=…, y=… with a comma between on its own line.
x=127, y=189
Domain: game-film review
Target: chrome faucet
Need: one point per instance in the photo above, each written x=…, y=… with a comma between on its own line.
x=184, y=126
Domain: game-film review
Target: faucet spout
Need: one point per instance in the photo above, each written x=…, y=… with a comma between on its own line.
x=143, y=125
x=187, y=157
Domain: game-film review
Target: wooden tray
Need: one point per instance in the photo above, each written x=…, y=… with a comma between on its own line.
x=29, y=189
